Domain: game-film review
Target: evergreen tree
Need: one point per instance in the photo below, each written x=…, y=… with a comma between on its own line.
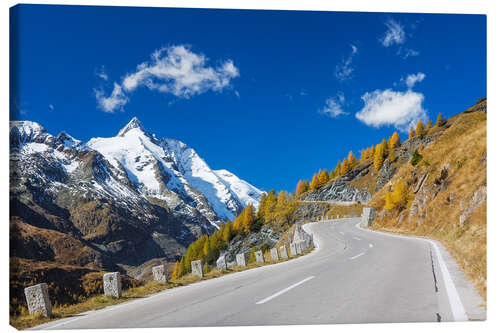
x=439, y=120
x=395, y=141
x=420, y=131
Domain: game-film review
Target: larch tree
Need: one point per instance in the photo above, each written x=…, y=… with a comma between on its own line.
x=439, y=120
x=344, y=167
x=323, y=178
x=389, y=203
x=315, y=182
x=420, y=130
x=378, y=158
x=351, y=160
x=429, y=124
x=337, y=169
x=262, y=206
x=395, y=141
x=411, y=133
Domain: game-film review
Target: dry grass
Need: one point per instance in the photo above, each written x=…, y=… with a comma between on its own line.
x=461, y=147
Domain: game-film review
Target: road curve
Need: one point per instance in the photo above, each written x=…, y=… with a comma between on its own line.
x=353, y=276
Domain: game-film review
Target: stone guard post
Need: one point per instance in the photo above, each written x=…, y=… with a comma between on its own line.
x=160, y=273
x=368, y=216
x=197, y=268
x=283, y=253
x=293, y=249
x=240, y=260
x=112, y=284
x=274, y=254
x=221, y=262
x=259, y=257
x=38, y=300
x=298, y=247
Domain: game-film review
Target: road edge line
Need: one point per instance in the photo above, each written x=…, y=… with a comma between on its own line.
x=456, y=305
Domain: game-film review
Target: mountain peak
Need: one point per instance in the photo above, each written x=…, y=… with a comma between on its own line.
x=133, y=123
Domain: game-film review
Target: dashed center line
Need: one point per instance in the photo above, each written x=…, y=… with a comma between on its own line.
x=341, y=232
x=357, y=256
x=356, y=238
x=265, y=300
x=371, y=245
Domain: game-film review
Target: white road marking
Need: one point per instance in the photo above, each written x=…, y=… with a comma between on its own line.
x=457, y=308
x=284, y=291
x=357, y=256
x=356, y=238
x=341, y=232
x=371, y=245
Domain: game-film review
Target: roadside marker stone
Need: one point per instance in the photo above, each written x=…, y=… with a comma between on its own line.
x=221, y=262
x=368, y=216
x=112, y=284
x=197, y=268
x=259, y=257
x=160, y=273
x=283, y=252
x=37, y=298
x=240, y=260
x=293, y=249
x=274, y=254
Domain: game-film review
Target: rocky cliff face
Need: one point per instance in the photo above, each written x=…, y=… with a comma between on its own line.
x=115, y=202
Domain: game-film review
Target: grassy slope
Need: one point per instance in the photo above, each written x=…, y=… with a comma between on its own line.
x=461, y=147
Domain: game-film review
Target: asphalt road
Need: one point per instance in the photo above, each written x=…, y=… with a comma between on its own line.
x=353, y=276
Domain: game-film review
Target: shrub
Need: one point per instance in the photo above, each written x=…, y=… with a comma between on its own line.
x=415, y=158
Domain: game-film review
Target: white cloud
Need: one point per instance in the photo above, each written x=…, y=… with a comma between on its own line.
x=116, y=100
x=414, y=78
x=389, y=107
x=344, y=69
x=408, y=53
x=174, y=70
x=51, y=107
x=333, y=106
x=102, y=74
x=395, y=33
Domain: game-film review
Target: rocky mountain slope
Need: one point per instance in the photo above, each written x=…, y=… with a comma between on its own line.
x=112, y=203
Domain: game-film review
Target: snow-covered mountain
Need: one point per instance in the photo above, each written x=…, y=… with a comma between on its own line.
x=160, y=166
x=131, y=196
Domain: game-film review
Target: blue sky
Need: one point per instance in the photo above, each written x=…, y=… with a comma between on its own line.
x=269, y=95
